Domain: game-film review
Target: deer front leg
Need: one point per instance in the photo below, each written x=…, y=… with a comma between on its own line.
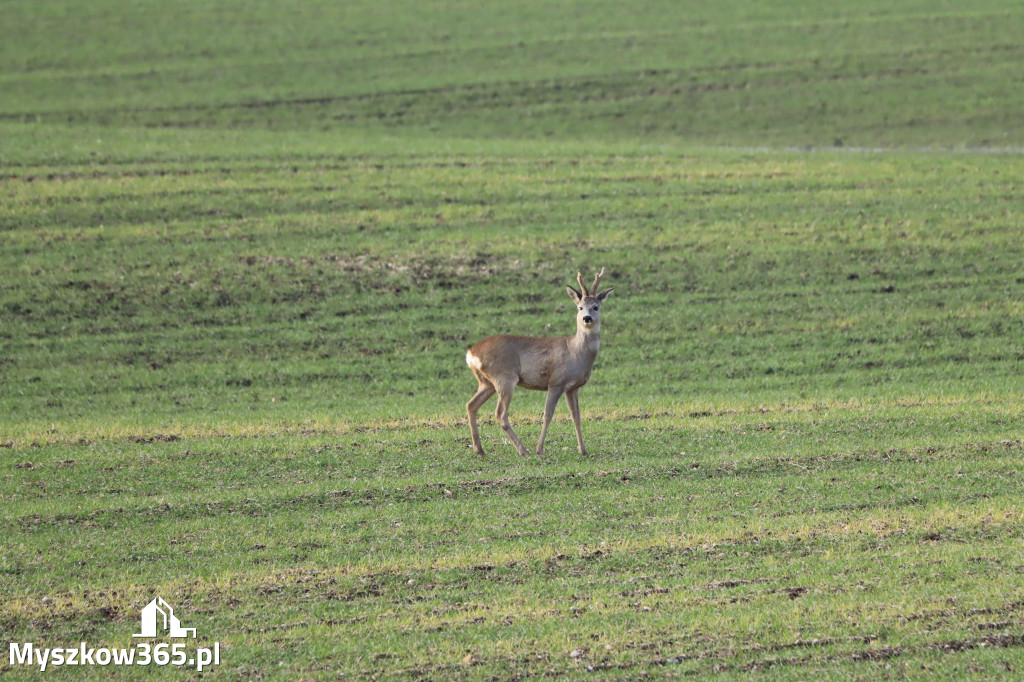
x=501, y=414
x=572, y=399
x=554, y=393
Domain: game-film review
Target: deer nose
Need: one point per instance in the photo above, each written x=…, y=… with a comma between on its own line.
x=587, y=319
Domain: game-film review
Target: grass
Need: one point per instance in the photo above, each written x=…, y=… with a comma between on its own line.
x=234, y=320
x=780, y=73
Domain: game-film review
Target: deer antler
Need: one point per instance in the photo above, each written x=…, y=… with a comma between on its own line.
x=583, y=287
x=597, y=280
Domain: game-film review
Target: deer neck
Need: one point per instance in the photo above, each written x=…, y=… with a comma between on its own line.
x=586, y=342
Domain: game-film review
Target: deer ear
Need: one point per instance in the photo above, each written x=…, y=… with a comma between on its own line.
x=573, y=294
x=604, y=294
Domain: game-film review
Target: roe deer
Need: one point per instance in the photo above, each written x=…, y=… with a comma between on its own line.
x=556, y=365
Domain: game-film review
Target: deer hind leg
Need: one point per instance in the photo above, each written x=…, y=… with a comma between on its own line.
x=505, y=390
x=483, y=393
x=554, y=393
x=572, y=399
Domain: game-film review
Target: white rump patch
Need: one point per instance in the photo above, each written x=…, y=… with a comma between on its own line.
x=473, y=361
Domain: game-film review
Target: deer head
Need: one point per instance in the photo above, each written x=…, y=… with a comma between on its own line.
x=588, y=303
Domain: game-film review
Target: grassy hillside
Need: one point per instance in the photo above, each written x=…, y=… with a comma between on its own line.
x=240, y=381
x=195, y=292
x=243, y=248
x=780, y=73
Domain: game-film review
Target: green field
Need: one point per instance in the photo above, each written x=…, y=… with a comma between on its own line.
x=244, y=247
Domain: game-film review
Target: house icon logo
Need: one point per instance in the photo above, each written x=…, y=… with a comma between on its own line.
x=158, y=615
